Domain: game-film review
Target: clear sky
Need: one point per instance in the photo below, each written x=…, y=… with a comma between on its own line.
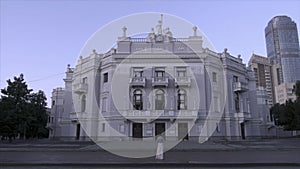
x=39, y=38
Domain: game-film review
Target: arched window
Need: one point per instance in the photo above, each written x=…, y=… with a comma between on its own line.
x=159, y=100
x=83, y=103
x=138, y=100
x=181, y=100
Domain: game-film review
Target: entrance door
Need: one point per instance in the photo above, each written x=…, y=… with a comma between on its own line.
x=137, y=130
x=183, y=131
x=77, y=131
x=243, y=131
x=160, y=128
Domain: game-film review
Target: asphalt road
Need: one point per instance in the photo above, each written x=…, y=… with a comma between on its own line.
x=172, y=158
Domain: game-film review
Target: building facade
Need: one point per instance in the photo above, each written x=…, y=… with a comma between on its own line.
x=263, y=75
x=162, y=85
x=284, y=92
x=283, y=48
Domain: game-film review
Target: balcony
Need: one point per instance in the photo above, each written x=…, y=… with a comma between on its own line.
x=73, y=117
x=159, y=114
x=239, y=87
x=80, y=88
x=242, y=116
x=160, y=81
x=183, y=81
x=49, y=125
x=137, y=82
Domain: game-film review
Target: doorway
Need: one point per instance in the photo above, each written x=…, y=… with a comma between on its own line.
x=137, y=130
x=160, y=129
x=183, y=132
x=77, y=131
x=243, y=131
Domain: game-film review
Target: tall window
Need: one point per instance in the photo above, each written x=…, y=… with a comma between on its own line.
x=84, y=80
x=83, y=103
x=181, y=100
x=214, y=76
x=159, y=100
x=235, y=79
x=138, y=100
x=105, y=77
x=237, y=102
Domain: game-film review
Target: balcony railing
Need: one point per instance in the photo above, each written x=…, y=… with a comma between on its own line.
x=158, y=114
x=137, y=81
x=239, y=87
x=183, y=81
x=49, y=125
x=242, y=116
x=73, y=117
x=80, y=88
x=160, y=81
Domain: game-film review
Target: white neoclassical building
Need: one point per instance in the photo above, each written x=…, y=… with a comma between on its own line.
x=159, y=84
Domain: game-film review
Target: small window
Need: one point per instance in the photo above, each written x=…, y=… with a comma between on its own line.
x=137, y=72
x=214, y=77
x=53, y=102
x=235, y=79
x=103, y=127
x=105, y=77
x=181, y=72
x=84, y=80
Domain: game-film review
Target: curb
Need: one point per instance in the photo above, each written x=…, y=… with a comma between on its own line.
x=154, y=164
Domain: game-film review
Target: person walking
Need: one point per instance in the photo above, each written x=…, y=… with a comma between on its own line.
x=160, y=148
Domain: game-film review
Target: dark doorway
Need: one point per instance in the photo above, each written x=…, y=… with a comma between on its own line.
x=137, y=130
x=183, y=132
x=243, y=131
x=160, y=129
x=77, y=131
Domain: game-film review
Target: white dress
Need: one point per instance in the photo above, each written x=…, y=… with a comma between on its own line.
x=160, y=148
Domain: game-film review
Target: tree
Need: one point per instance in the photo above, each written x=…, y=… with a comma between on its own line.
x=23, y=113
x=288, y=114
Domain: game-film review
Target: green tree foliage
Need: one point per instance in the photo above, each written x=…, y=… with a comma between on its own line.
x=288, y=114
x=22, y=112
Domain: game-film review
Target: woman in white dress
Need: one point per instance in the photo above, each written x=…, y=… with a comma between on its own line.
x=160, y=148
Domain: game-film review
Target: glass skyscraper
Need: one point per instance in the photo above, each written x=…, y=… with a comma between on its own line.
x=283, y=48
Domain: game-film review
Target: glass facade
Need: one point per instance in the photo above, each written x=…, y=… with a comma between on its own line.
x=282, y=45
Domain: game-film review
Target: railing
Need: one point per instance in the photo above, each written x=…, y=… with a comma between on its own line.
x=160, y=81
x=137, y=81
x=242, y=116
x=154, y=114
x=73, y=117
x=239, y=87
x=80, y=88
x=183, y=80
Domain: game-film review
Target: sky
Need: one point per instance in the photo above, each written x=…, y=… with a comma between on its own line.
x=39, y=38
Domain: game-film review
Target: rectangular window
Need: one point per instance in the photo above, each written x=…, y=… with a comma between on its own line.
x=159, y=72
x=237, y=102
x=105, y=77
x=53, y=102
x=214, y=76
x=103, y=127
x=235, y=79
x=84, y=80
x=104, y=100
x=137, y=72
x=181, y=72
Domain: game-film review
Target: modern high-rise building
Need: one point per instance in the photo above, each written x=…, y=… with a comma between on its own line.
x=263, y=75
x=283, y=48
